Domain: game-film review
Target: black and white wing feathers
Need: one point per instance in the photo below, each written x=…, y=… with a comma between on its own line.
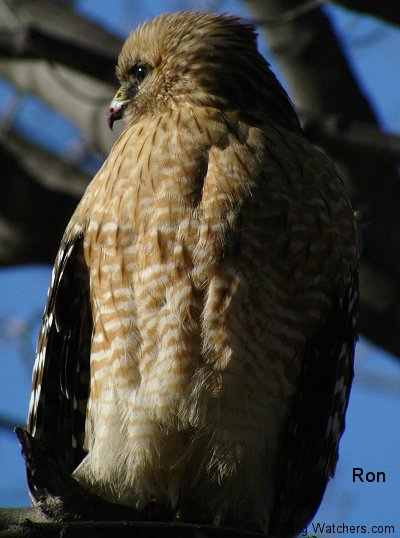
x=313, y=433
x=60, y=382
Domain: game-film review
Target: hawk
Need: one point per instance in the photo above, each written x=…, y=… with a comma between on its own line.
x=196, y=351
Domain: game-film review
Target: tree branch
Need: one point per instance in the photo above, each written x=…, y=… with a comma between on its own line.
x=347, y=139
x=32, y=42
x=7, y=423
x=47, y=169
x=61, y=20
x=80, y=97
x=33, y=217
x=387, y=10
x=29, y=523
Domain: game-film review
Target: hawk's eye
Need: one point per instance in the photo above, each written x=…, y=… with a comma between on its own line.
x=138, y=72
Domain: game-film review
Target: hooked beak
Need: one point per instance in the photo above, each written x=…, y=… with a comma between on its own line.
x=116, y=109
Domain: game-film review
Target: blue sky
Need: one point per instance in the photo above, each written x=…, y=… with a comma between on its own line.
x=372, y=437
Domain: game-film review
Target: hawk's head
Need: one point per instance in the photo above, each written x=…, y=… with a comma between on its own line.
x=197, y=59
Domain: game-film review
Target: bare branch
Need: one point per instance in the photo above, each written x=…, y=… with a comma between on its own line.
x=61, y=20
x=8, y=423
x=348, y=139
x=33, y=217
x=34, y=42
x=77, y=95
x=387, y=10
x=79, y=98
x=47, y=169
x=304, y=47
x=29, y=523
